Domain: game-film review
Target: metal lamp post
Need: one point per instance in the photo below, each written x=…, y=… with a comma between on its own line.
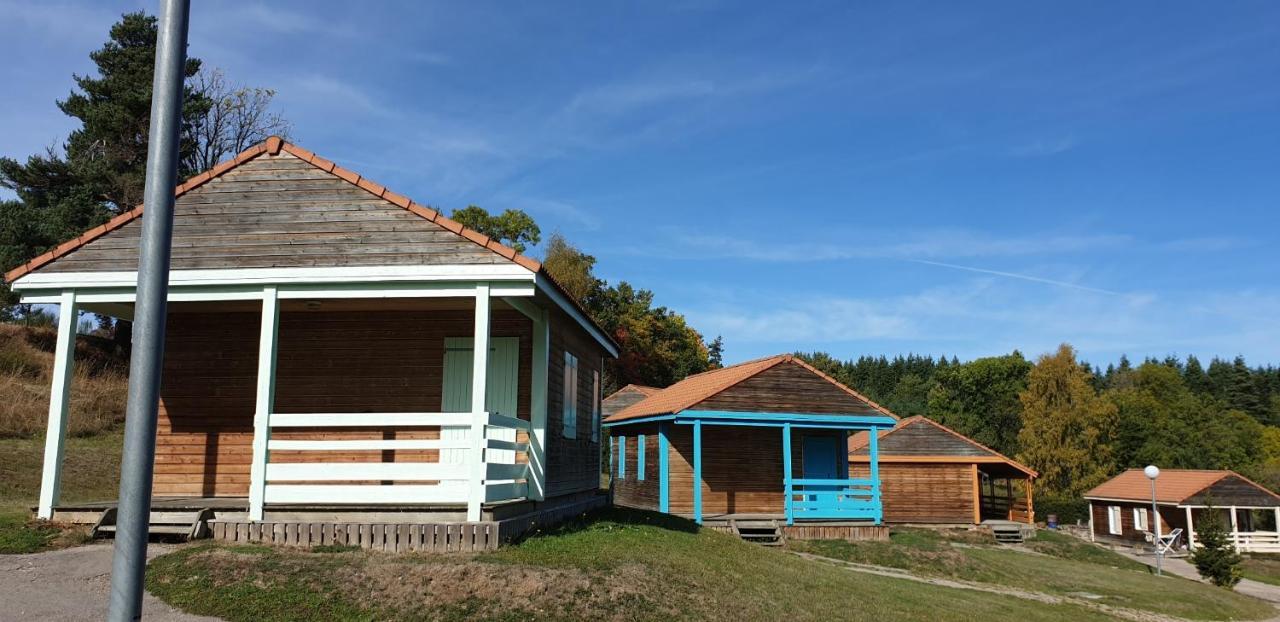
x=1152, y=472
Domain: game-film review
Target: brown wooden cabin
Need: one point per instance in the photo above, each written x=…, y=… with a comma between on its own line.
x=1120, y=509
x=626, y=396
x=762, y=439
x=930, y=473
x=332, y=345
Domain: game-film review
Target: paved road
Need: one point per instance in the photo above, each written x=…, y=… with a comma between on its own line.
x=1182, y=568
x=71, y=584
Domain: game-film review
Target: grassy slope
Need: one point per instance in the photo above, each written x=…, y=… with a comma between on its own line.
x=1264, y=568
x=1065, y=566
x=624, y=566
x=91, y=471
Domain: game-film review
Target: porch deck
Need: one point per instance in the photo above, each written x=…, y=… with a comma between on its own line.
x=807, y=529
x=237, y=508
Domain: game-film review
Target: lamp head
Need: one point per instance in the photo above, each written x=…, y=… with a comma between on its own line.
x=1152, y=471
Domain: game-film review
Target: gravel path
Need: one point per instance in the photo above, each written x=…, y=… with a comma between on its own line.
x=71, y=584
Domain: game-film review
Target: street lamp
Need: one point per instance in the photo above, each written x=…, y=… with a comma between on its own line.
x=1152, y=472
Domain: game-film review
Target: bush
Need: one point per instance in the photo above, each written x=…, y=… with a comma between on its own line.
x=1068, y=510
x=1214, y=556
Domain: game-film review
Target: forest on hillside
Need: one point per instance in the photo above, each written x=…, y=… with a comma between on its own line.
x=1078, y=424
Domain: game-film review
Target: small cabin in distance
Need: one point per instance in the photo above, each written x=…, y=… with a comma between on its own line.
x=1120, y=509
x=934, y=475
x=759, y=443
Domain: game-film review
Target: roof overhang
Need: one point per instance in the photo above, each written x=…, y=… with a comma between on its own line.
x=767, y=419
x=434, y=281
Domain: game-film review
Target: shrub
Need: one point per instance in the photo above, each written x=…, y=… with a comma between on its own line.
x=1069, y=510
x=1214, y=556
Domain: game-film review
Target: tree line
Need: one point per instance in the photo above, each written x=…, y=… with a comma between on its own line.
x=1079, y=425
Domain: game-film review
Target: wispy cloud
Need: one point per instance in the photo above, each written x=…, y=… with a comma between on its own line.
x=1041, y=148
x=1015, y=275
x=333, y=92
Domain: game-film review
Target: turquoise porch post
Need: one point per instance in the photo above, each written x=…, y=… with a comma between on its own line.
x=697, y=471
x=664, y=468
x=786, y=472
x=873, y=448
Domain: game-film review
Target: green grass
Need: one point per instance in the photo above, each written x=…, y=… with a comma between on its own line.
x=1262, y=567
x=1064, y=566
x=91, y=472
x=621, y=565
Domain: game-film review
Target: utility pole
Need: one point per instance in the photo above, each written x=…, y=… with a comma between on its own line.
x=152, y=293
x=1152, y=472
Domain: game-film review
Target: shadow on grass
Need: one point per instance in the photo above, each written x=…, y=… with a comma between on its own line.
x=613, y=518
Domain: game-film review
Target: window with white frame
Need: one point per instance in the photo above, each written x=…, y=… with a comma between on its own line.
x=1113, y=520
x=570, y=397
x=595, y=406
x=1140, y=519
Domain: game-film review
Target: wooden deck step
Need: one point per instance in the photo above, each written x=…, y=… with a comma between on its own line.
x=187, y=524
x=764, y=532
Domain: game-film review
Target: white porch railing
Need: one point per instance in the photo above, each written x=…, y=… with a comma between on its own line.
x=1256, y=541
x=502, y=477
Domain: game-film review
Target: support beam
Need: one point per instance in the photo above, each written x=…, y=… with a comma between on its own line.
x=1031, y=507
x=59, y=400
x=1235, y=528
x=264, y=402
x=664, y=469
x=1191, y=528
x=977, y=494
x=697, y=471
x=873, y=459
x=539, y=377
x=786, y=473
x=479, y=388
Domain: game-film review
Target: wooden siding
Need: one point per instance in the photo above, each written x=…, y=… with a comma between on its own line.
x=277, y=212
x=573, y=464
x=921, y=438
x=1171, y=517
x=621, y=399
x=924, y=493
x=389, y=361
x=787, y=387
x=1233, y=490
x=629, y=490
x=741, y=468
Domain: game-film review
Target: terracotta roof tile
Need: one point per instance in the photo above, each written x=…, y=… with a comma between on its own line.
x=1173, y=485
x=273, y=144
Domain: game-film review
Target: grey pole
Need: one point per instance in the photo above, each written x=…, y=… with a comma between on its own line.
x=138, y=462
x=1152, y=472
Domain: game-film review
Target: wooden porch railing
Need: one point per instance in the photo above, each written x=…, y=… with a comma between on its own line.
x=839, y=499
x=491, y=464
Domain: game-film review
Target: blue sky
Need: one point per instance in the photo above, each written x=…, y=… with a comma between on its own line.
x=945, y=178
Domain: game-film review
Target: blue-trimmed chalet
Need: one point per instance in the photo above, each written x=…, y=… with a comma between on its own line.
x=762, y=440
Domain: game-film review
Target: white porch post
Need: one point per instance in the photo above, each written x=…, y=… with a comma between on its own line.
x=59, y=399
x=1191, y=531
x=479, y=417
x=1235, y=528
x=538, y=407
x=264, y=402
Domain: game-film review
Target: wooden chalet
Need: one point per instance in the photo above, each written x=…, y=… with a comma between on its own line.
x=932, y=474
x=626, y=396
x=1120, y=508
x=338, y=354
x=758, y=441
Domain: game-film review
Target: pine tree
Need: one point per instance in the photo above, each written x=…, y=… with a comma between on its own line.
x=1214, y=556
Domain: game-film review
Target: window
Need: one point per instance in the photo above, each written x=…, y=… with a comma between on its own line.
x=622, y=457
x=1140, y=519
x=1113, y=520
x=640, y=457
x=570, y=396
x=595, y=407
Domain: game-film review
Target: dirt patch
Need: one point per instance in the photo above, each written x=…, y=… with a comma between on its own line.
x=448, y=585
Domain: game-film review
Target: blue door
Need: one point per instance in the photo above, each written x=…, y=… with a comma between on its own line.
x=820, y=458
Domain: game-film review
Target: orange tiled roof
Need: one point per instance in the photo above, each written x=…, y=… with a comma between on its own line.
x=1173, y=485
x=273, y=146
x=699, y=387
